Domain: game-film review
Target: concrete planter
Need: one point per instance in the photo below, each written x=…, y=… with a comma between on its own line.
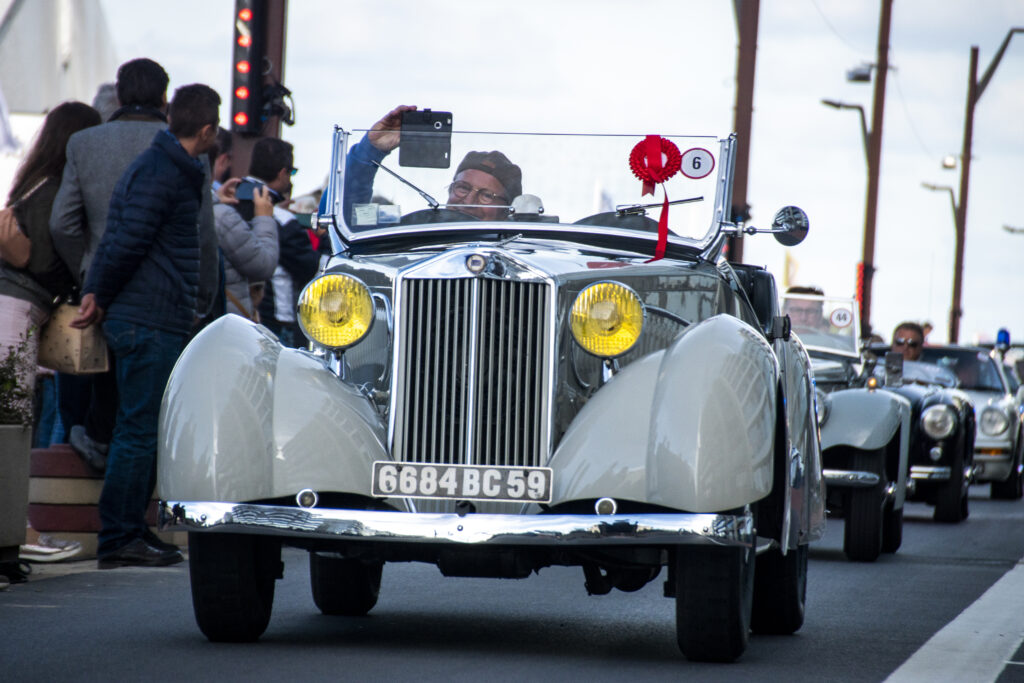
x=15, y=448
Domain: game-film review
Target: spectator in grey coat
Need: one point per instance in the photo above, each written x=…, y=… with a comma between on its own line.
x=250, y=248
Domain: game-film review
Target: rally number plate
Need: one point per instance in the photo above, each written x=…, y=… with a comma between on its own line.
x=462, y=482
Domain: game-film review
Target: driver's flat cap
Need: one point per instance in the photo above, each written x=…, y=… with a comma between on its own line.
x=496, y=164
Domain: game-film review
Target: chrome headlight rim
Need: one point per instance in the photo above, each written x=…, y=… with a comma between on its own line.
x=822, y=406
x=993, y=421
x=317, y=282
x=628, y=291
x=938, y=421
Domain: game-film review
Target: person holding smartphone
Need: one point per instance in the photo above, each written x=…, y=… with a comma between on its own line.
x=485, y=183
x=249, y=245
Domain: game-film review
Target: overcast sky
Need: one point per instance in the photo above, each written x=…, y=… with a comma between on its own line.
x=669, y=67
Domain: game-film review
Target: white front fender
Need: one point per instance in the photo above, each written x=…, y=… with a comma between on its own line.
x=244, y=418
x=690, y=428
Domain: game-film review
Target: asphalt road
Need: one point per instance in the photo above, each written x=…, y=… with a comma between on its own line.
x=864, y=621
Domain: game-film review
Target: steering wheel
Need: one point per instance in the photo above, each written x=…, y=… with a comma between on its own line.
x=439, y=215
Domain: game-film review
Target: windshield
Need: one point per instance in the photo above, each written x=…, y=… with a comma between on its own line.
x=973, y=367
x=530, y=182
x=922, y=373
x=824, y=324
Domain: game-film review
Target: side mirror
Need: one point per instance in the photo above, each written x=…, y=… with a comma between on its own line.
x=893, y=369
x=790, y=226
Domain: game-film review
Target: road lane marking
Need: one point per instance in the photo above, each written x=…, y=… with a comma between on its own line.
x=979, y=643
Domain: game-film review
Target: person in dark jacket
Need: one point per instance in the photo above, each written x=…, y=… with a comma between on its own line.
x=272, y=164
x=96, y=159
x=143, y=283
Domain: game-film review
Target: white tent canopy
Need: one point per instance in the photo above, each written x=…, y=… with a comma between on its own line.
x=52, y=51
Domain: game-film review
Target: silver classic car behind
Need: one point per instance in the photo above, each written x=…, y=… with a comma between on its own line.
x=558, y=370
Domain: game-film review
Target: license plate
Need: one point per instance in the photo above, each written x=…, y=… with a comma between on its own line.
x=462, y=482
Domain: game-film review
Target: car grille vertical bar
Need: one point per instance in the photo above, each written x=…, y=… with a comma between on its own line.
x=474, y=386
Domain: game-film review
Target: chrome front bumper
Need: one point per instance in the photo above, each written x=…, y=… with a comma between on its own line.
x=854, y=479
x=929, y=472
x=477, y=529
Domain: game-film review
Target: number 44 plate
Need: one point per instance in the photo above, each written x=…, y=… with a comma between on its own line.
x=462, y=482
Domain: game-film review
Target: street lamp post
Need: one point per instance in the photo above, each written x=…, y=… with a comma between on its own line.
x=944, y=188
x=975, y=88
x=865, y=134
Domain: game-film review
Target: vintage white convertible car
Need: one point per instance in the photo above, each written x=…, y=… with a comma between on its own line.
x=557, y=369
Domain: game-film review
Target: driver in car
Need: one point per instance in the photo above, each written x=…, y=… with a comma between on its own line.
x=484, y=184
x=806, y=315
x=907, y=339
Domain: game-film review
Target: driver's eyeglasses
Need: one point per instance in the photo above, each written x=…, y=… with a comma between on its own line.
x=463, y=189
x=292, y=171
x=904, y=341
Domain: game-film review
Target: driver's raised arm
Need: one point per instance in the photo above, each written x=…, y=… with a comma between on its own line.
x=360, y=170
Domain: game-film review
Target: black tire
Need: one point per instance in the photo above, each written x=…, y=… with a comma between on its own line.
x=714, y=599
x=892, y=529
x=951, y=499
x=343, y=586
x=1013, y=487
x=780, y=592
x=232, y=579
x=862, y=532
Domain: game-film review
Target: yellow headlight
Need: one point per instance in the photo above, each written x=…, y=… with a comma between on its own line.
x=335, y=310
x=606, y=319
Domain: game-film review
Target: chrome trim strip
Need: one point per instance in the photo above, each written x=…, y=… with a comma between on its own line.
x=451, y=529
x=850, y=478
x=929, y=472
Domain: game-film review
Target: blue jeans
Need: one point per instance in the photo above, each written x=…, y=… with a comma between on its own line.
x=144, y=360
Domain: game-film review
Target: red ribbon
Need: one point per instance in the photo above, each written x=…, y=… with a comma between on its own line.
x=648, y=166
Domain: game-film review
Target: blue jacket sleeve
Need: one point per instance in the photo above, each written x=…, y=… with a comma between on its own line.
x=137, y=210
x=359, y=175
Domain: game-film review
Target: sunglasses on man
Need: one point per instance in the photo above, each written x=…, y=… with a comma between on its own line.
x=904, y=341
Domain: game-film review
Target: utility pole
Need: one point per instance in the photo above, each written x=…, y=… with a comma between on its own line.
x=975, y=88
x=275, y=14
x=746, y=13
x=874, y=165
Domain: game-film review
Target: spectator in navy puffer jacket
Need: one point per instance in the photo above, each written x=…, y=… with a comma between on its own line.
x=143, y=283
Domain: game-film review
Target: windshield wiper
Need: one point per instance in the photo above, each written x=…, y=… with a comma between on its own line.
x=641, y=209
x=434, y=204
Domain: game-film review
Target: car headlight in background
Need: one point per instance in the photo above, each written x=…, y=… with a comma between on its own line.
x=822, y=406
x=938, y=422
x=335, y=310
x=606, y=319
x=993, y=421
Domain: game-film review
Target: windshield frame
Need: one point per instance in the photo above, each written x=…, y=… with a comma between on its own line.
x=343, y=238
x=841, y=302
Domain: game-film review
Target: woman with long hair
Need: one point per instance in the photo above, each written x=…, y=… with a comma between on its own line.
x=28, y=293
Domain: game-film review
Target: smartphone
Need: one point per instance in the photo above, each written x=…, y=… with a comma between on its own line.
x=426, y=139
x=245, y=189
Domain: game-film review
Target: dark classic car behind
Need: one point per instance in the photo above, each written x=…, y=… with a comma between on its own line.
x=581, y=380
x=942, y=438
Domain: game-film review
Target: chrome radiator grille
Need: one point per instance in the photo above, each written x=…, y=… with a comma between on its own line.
x=471, y=386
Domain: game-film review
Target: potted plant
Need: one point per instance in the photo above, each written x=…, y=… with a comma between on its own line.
x=15, y=446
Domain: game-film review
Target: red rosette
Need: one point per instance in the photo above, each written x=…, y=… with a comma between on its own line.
x=648, y=166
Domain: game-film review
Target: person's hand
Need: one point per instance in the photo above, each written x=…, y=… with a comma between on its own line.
x=386, y=133
x=88, y=313
x=261, y=201
x=226, y=192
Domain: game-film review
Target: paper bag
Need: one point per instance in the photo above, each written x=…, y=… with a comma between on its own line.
x=66, y=349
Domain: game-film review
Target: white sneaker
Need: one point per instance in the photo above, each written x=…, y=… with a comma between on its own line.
x=49, y=549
